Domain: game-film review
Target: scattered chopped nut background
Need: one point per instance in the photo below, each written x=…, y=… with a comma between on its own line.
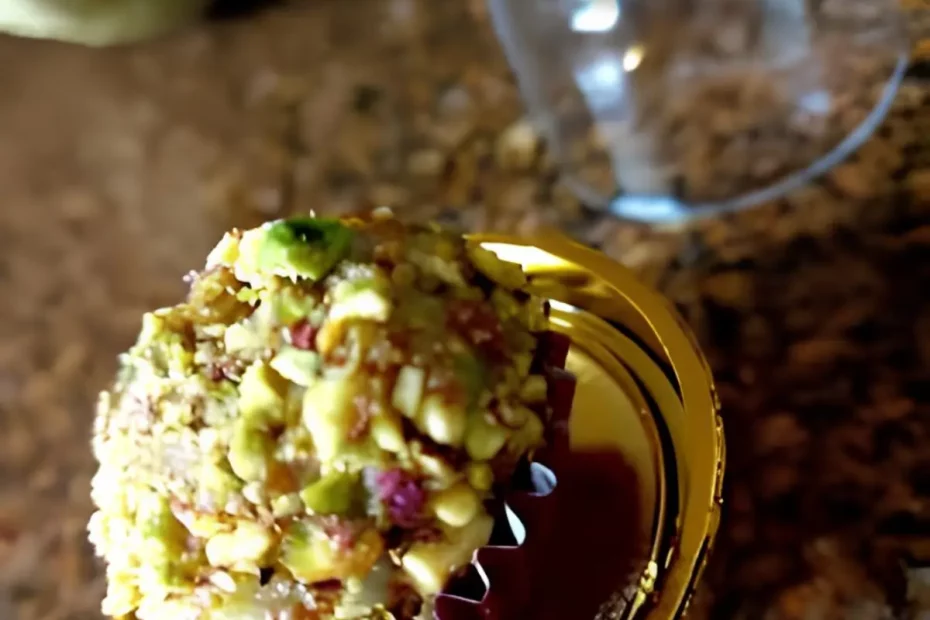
x=119, y=170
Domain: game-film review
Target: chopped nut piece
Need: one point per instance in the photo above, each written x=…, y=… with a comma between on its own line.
x=289, y=505
x=261, y=393
x=408, y=391
x=484, y=440
x=443, y=421
x=297, y=366
x=534, y=389
x=508, y=275
x=248, y=544
x=430, y=564
x=480, y=476
x=457, y=506
x=248, y=451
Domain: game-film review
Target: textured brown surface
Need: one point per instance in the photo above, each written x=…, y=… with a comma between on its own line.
x=119, y=168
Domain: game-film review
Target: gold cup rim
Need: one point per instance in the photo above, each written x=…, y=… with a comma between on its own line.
x=569, y=273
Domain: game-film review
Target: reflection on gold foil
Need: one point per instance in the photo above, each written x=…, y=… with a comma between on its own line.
x=641, y=378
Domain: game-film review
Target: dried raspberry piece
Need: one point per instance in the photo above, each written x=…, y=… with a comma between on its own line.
x=477, y=322
x=401, y=495
x=303, y=335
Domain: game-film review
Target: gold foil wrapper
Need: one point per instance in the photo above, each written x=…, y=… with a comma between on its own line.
x=644, y=389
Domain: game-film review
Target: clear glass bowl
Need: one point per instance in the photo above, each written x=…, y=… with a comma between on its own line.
x=662, y=110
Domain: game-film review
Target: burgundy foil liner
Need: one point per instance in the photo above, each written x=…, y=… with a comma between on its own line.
x=498, y=582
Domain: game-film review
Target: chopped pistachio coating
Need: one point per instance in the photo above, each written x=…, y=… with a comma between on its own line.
x=316, y=430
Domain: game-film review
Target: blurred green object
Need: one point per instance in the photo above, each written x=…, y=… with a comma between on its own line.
x=97, y=22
